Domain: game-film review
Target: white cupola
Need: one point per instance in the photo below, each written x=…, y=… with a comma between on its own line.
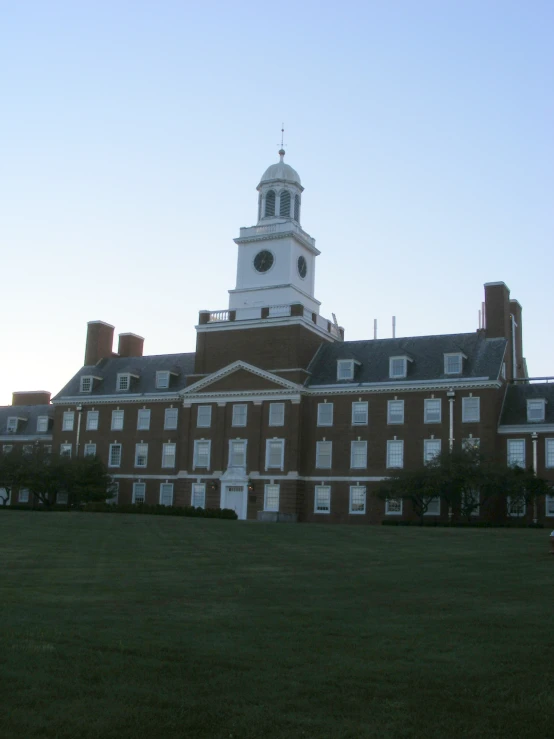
x=280, y=192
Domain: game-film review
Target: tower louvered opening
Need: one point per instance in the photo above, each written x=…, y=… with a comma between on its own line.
x=297, y=207
x=285, y=204
x=259, y=206
x=270, y=203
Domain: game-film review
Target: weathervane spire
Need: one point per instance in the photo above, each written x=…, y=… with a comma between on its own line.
x=282, y=150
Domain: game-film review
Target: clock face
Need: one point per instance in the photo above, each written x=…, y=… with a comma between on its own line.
x=263, y=261
x=302, y=267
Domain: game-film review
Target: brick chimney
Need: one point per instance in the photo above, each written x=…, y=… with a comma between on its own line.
x=130, y=345
x=99, y=342
x=503, y=318
x=31, y=397
x=516, y=311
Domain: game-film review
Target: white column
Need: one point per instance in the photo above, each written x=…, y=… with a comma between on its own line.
x=535, y=440
x=450, y=396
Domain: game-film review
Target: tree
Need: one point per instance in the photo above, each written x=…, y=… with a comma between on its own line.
x=522, y=488
x=420, y=487
x=11, y=473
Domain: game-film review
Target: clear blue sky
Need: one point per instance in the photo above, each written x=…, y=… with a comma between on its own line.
x=133, y=135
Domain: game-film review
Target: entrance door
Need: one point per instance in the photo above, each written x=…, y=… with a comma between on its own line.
x=235, y=499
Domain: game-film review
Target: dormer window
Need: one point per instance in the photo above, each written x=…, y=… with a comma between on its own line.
x=453, y=363
x=398, y=366
x=535, y=410
x=162, y=380
x=42, y=424
x=124, y=381
x=12, y=425
x=345, y=369
x=86, y=384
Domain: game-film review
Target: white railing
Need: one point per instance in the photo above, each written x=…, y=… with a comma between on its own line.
x=279, y=310
x=218, y=315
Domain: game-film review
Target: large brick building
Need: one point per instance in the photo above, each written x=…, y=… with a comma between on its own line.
x=275, y=414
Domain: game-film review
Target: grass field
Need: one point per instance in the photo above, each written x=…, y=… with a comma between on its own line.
x=141, y=626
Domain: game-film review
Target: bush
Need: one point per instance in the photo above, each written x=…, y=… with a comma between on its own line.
x=466, y=524
x=160, y=510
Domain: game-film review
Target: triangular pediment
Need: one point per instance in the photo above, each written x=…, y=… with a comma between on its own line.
x=241, y=377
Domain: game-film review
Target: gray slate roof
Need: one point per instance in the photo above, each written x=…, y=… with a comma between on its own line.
x=144, y=367
x=30, y=413
x=514, y=411
x=484, y=358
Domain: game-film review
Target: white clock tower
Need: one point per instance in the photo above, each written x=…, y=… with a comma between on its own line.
x=276, y=258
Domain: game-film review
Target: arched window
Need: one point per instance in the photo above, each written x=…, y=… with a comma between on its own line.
x=259, y=206
x=297, y=207
x=270, y=203
x=285, y=203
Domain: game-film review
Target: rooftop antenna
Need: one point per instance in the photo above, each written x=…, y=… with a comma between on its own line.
x=336, y=325
x=374, y=328
x=394, y=327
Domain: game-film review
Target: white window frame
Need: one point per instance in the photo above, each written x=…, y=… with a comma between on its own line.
x=204, y=416
x=433, y=511
x=268, y=443
x=114, y=498
x=354, y=489
x=476, y=510
x=472, y=442
x=11, y=427
x=110, y=459
x=549, y=505
x=459, y=367
x=136, y=486
x=143, y=419
x=42, y=424
x=123, y=383
x=163, y=379
x=62, y=499
x=325, y=413
x=198, y=489
x=467, y=402
x=276, y=414
x=318, y=455
x=549, y=453
x=87, y=450
x=430, y=443
x=429, y=410
x=86, y=384
x=360, y=413
x=345, y=369
x=7, y=448
x=270, y=495
x=397, y=501
x=23, y=495
x=521, y=513
x=540, y=405
x=66, y=450
x=116, y=425
x=170, y=413
x=170, y=489
x=391, y=415
x=166, y=457
x=68, y=421
x=93, y=419
x=140, y=453
x=240, y=415
x=403, y=372
x=325, y=490
x=395, y=444
x=243, y=443
x=510, y=445
x=361, y=446
x=197, y=445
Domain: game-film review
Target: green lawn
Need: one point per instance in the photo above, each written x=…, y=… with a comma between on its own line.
x=145, y=627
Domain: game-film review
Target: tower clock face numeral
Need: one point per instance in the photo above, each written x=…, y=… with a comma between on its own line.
x=263, y=261
x=302, y=267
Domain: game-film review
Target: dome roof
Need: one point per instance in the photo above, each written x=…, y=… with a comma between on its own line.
x=281, y=171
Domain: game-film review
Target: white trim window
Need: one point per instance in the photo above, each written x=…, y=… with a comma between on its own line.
x=86, y=384
x=90, y=450
x=23, y=495
x=536, y=410
x=12, y=425
x=360, y=413
x=171, y=416
x=27, y=450
x=432, y=410
x=66, y=450
x=345, y=369
x=433, y=507
x=204, y=416
x=168, y=454
x=549, y=505
x=324, y=455
x=274, y=454
x=549, y=453
x=62, y=499
x=166, y=493
x=472, y=499
x=325, y=414
x=431, y=449
x=143, y=419
x=114, y=489
x=471, y=443
x=515, y=508
x=202, y=449
x=237, y=453
x=68, y=421
x=276, y=414
x=118, y=418
x=398, y=367
x=92, y=420
x=453, y=363
x=139, y=492
x=162, y=379
x=271, y=498
x=395, y=411
x=114, y=458
x=395, y=454
x=123, y=382
x=393, y=506
x=7, y=448
x=322, y=499
x=240, y=414
x=358, y=455
x=198, y=495
x=42, y=424
x=516, y=453
x=471, y=410
x=357, y=499
x=141, y=455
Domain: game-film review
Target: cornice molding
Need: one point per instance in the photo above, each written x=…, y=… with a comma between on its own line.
x=526, y=428
x=116, y=398
x=236, y=367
